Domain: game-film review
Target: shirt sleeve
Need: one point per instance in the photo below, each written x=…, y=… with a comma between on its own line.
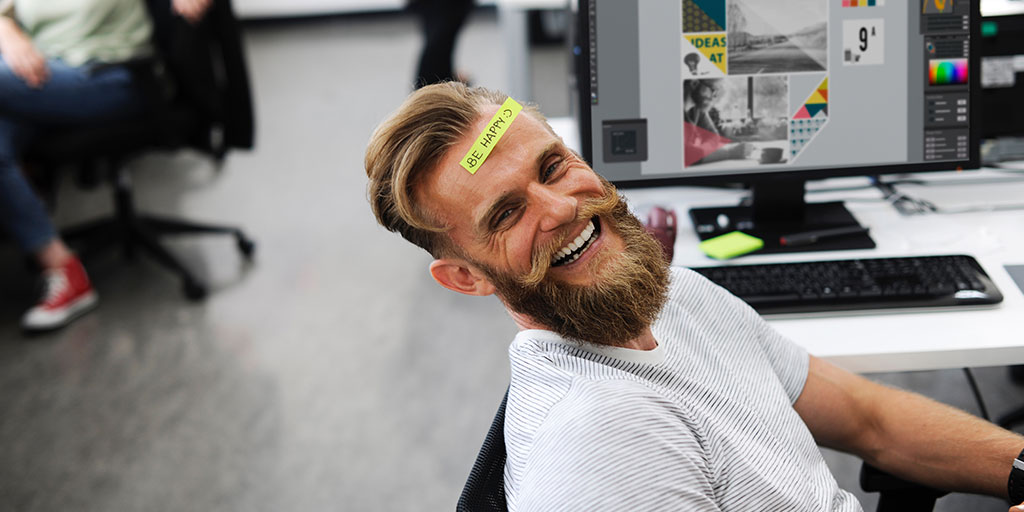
x=614, y=445
x=790, y=361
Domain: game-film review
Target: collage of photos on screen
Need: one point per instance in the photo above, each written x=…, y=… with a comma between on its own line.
x=737, y=57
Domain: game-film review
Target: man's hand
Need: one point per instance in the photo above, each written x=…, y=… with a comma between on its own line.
x=21, y=55
x=1018, y=508
x=191, y=10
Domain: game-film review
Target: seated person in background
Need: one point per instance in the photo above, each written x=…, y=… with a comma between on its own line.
x=635, y=386
x=64, y=63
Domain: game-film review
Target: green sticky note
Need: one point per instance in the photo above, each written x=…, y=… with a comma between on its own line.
x=730, y=245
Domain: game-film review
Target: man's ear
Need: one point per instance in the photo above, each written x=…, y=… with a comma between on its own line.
x=456, y=274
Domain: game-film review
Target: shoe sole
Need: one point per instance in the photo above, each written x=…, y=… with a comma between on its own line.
x=75, y=310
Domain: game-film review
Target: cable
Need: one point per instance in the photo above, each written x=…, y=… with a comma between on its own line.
x=908, y=205
x=904, y=204
x=977, y=394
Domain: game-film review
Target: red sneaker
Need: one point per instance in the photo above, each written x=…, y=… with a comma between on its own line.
x=68, y=294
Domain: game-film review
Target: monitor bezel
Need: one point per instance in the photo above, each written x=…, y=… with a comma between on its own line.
x=586, y=139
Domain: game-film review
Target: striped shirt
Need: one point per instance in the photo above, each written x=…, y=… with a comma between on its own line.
x=704, y=422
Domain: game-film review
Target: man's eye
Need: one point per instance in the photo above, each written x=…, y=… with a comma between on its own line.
x=505, y=214
x=551, y=169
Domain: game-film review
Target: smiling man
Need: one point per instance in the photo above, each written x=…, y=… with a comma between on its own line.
x=633, y=386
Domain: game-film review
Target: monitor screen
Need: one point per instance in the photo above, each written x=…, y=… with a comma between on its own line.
x=692, y=91
x=1002, y=82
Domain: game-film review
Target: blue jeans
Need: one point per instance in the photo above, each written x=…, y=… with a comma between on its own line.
x=72, y=96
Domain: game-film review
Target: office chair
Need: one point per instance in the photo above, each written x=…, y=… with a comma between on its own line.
x=1012, y=418
x=485, y=488
x=198, y=87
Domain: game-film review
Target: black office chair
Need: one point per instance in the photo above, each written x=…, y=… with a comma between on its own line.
x=1016, y=416
x=199, y=89
x=485, y=488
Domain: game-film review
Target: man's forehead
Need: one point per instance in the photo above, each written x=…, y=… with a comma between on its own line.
x=525, y=138
x=449, y=185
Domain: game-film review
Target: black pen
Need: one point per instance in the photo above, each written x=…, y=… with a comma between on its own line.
x=810, y=237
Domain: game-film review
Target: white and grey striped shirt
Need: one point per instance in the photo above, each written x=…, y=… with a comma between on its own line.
x=704, y=422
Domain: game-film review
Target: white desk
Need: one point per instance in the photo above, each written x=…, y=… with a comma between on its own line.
x=898, y=341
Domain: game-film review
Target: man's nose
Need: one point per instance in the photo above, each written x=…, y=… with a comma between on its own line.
x=556, y=209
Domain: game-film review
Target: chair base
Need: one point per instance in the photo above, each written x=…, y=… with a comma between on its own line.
x=134, y=231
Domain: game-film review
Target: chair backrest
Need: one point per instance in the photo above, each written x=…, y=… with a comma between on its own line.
x=897, y=494
x=206, y=65
x=485, y=488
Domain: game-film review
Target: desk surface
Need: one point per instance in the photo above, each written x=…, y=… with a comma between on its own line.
x=903, y=340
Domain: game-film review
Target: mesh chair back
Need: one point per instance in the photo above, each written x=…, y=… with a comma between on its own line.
x=485, y=488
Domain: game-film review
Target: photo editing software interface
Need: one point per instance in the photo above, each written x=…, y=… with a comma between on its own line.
x=706, y=88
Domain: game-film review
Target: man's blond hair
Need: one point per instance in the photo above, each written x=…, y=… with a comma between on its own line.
x=409, y=144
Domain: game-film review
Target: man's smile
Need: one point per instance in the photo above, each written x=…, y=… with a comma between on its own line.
x=574, y=249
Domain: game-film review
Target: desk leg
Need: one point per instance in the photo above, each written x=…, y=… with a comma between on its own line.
x=514, y=29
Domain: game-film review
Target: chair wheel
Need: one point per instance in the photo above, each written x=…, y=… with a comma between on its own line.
x=246, y=247
x=194, y=290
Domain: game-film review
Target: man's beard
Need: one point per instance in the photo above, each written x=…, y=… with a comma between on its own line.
x=627, y=293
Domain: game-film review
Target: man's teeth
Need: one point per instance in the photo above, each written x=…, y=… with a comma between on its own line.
x=569, y=254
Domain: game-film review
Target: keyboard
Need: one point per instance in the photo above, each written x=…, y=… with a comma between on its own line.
x=858, y=284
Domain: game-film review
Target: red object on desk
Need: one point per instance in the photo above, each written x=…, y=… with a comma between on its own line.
x=661, y=224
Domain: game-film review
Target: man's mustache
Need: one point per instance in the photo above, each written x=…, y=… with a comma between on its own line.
x=543, y=255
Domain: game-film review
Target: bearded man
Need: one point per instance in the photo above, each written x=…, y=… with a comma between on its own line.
x=635, y=386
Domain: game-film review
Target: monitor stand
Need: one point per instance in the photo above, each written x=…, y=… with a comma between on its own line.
x=778, y=208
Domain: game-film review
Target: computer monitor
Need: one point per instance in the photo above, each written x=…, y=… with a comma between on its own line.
x=772, y=93
x=1002, y=80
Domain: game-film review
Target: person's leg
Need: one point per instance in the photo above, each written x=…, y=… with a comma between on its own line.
x=67, y=292
x=434, y=65
x=441, y=22
x=72, y=95
x=22, y=212
x=54, y=254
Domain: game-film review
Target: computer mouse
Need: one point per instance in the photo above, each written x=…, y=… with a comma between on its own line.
x=661, y=223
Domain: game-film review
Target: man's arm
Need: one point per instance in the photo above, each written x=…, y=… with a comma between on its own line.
x=906, y=434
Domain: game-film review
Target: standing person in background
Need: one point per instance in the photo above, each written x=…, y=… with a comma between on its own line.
x=64, y=63
x=441, y=21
